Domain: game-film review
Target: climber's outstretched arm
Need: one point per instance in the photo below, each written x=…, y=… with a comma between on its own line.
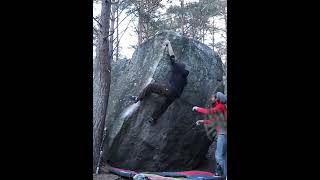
x=172, y=56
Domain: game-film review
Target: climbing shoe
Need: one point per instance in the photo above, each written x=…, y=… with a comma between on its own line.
x=133, y=98
x=151, y=121
x=219, y=171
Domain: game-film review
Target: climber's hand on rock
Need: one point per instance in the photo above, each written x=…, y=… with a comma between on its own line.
x=172, y=57
x=166, y=42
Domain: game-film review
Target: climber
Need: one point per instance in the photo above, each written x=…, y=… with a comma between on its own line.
x=219, y=116
x=171, y=89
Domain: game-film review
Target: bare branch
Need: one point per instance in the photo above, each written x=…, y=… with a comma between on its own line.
x=133, y=12
x=124, y=8
x=96, y=31
x=123, y=32
x=123, y=19
x=223, y=36
x=97, y=22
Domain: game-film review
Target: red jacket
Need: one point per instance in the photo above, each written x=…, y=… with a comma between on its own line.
x=216, y=108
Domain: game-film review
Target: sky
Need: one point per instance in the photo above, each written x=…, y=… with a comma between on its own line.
x=130, y=38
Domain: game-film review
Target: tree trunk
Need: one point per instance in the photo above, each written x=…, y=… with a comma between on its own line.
x=148, y=6
x=117, y=55
x=225, y=16
x=225, y=64
x=225, y=81
x=113, y=12
x=140, y=29
x=213, y=32
x=182, y=16
x=193, y=33
x=140, y=23
x=203, y=32
x=101, y=81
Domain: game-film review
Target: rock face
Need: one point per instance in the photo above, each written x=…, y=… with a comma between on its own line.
x=175, y=142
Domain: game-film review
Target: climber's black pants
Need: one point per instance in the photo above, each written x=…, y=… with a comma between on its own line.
x=163, y=90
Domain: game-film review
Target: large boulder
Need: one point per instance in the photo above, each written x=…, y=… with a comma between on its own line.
x=175, y=142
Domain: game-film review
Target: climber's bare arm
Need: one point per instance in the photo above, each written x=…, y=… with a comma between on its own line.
x=172, y=56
